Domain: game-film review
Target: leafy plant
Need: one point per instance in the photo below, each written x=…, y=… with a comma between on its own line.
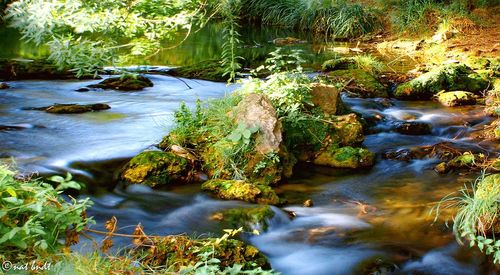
x=477, y=214
x=230, y=10
x=34, y=218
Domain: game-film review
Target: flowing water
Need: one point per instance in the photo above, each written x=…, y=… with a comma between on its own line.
x=361, y=220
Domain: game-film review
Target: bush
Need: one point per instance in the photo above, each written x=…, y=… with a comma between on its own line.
x=34, y=218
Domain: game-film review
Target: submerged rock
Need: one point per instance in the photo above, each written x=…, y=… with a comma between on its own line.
x=155, y=168
x=72, y=108
x=250, y=218
x=359, y=83
x=345, y=157
x=241, y=190
x=457, y=98
x=4, y=86
x=414, y=128
x=451, y=77
x=124, y=83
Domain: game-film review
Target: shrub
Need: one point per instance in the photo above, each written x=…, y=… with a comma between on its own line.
x=34, y=218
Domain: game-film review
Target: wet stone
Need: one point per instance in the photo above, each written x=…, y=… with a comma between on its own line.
x=72, y=108
x=413, y=128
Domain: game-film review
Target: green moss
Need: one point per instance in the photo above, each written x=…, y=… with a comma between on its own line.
x=241, y=190
x=457, y=98
x=489, y=187
x=360, y=82
x=465, y=160
x=346, y=157
x=248, y=218
x=342, y=63
x=155, y=168
x=451, y=77
x=207, y=70
x=74, y=108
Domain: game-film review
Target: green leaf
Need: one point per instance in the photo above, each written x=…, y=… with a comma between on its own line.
x=13, y=200
x=57, y=179
x=247, y=134
x=11, y=191
x=480, y=245
x=234, y=136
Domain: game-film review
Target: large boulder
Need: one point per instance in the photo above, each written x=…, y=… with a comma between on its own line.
x=241, y=190
x=450, y=77
x=256, y=110
x=327, y=97
x=124, y=83
x=155, y=168
x=345, y=157
x=359, y=83
x=457, y=98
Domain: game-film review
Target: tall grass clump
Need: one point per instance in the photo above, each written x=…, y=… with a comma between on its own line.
x=477, y=217
x=339, y=19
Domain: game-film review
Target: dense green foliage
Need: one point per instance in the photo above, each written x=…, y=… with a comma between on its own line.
x=34, y=218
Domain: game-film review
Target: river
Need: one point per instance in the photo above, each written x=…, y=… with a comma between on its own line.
x=361, y=220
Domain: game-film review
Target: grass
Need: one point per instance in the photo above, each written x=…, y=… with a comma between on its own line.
x=477, y=217
x=337, y=19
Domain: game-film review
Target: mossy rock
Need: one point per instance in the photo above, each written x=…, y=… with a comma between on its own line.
x=241, y=190
x=73, y=108
x=347, y=130
x=457, y=98
x=492, y=100
x=451, y=77
x=4, y=86
x=124, y=83
x=345, y=157
x=360, y=83
x=180, y=251
x=208, y=70
x=154, y=168
x=250, y=218
x=342, y=63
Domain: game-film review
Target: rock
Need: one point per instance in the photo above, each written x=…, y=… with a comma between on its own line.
x=124, y=83
x=4, y=86
x=342, y=63
x=492, y=100
x=250, y=218
x=72, y=108
x=241, y=190
x=466, y=160
x=326, y=97
x=442, y=36
x=180, y=251
x=154, y=168
x=413, y=128
x=457, y=98
x=345, y=157
x=450, y=77
x=82, y=90
x=441, y=168
x=359, y=83
x=287, y=41
x=208, y=70
x=256, y=110
x=400, y=154
x=347, y=130
x=308, y=203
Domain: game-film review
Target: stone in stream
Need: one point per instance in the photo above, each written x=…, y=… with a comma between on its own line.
x=207, y=70
x=256, y=110
x=282, y=41
x=155, y=168
x=345, y=157
x=72, y=108
x=492, y=100
x=250, y=218
x=4, y=86
x=241, y=190
x=450, y=77
x=456, y=98
x=327, y=97
x=414, y=128
x=19, y=69
x=359, y=83
x=124, y=83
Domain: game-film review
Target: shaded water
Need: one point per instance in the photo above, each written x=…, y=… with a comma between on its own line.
x=361, y=220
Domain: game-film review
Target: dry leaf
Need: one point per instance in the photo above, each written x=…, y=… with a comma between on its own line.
x=107, y=243
x=111, y=225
